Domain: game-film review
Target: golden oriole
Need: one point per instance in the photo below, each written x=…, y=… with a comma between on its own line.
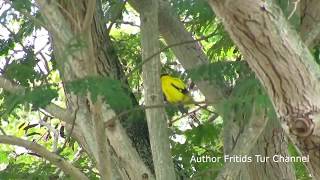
x=175, y=90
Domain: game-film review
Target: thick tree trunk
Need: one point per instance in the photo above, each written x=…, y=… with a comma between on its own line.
x=66, y=25
x=282, y=63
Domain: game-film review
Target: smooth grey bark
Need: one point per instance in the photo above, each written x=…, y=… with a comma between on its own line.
x=267, y=140
x=157, y=122
x=243, y=144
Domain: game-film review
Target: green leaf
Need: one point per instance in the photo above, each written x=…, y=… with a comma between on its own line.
x=111, y=90
x=23, y=71
x=22, y=5
x=6, y=46
x=4, y=157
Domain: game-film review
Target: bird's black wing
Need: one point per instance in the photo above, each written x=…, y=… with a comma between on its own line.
x=182, y=90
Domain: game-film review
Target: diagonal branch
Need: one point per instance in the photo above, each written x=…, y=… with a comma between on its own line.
x=310, y=22
x=89, y=15
x=53, y=158
x=245, y=143
x=104, y=156
x=312, y=35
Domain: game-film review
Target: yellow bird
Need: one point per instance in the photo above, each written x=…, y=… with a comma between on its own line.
x=175, y=90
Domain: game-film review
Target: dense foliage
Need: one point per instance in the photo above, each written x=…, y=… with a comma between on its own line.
x=26, y=59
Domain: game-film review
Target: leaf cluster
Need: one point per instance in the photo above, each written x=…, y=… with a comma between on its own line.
x=22, y=71
x=200, y=141
x=223, y=73
x=39, y=97
x=112, y=91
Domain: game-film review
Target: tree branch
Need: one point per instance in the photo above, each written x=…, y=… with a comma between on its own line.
x=116, y=16
x=184, y=46
x=89, y=15
x=104, y=158
x=138, y=66
x=310, y=22
x=245, y=143
x=53, y=158
x=157, y=125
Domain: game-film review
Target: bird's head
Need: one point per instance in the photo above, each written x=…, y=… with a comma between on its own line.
x=164, y=74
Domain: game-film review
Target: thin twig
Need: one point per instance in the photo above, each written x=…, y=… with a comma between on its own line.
x=53, y=130
x=123, y=113
x=118, y=13
x=184, y=115
x=67, y=139
x=166, y=48
x=3, y=131
x=294, y=8
x=129, y=23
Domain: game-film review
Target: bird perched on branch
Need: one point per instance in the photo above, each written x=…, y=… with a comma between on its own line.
x=176, y=92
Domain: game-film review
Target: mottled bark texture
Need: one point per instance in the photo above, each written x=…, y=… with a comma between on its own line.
x=263, y=136
x=310, y=22
x=157, y=122
x=282, y=63
x=70, y=23
x=273, y=141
